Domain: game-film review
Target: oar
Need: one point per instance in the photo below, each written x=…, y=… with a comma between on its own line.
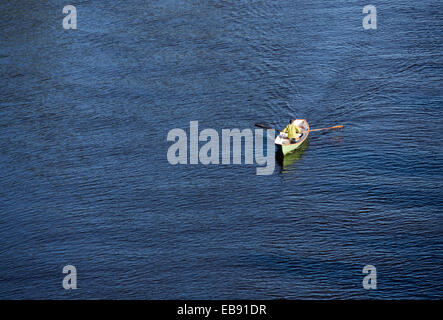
x=328, y=128
x=263, y=126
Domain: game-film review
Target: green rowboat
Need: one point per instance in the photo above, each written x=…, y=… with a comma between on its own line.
x=282, y=142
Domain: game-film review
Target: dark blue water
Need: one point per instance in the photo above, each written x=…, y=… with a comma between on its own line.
x=84, y=178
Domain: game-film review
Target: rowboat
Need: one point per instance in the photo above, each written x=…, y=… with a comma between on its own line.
x=285, y=146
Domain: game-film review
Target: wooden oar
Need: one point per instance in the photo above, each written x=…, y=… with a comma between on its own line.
x=263, y=126
x=328, y=128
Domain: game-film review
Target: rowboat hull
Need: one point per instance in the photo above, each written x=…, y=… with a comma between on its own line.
x=283, y=144
x=285, y=149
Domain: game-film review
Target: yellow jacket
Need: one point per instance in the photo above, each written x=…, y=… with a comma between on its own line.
x=291, y=130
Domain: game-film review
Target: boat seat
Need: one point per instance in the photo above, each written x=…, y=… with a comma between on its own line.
x=287, y=141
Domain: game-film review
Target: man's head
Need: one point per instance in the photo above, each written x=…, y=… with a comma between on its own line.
x=291, y=121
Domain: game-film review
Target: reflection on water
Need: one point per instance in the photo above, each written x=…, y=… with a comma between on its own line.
x=286, y=161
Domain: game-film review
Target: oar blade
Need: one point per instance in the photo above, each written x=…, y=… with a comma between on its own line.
x=260, y=125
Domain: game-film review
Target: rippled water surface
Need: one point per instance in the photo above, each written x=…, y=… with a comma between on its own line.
x=84, y=176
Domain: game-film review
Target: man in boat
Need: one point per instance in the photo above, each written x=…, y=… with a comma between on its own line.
x=292, y=130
